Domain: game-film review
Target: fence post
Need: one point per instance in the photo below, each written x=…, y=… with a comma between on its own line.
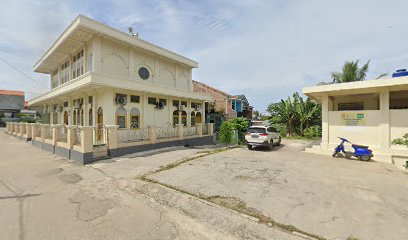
x=55, y=133
x=210, y=129
x=152, y=134
x=28, y=130
x=199, y=130
x=43, y=131
x=86, y=138
x=71, y=135
x=7, y=127
x=112, y=136
x=180, y=131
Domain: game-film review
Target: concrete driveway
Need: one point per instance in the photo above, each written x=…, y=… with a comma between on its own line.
x=332, y=198
x=45, y=197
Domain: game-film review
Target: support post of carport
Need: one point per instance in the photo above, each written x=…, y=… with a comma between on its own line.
x=385, y=120
x=325, y=122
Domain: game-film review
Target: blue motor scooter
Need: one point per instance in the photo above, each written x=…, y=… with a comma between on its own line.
x=360, y=152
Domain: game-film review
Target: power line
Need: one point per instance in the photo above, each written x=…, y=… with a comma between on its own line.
x=18, y=70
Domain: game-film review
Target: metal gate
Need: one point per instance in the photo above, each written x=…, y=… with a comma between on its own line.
x=100, y=134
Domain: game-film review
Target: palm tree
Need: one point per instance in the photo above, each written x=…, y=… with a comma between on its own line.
x=351, y=72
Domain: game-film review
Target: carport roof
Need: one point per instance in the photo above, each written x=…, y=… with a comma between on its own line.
x=317, y=92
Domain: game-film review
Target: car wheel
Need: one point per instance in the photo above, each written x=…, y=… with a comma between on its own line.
x=279, y=142
x=270, y=147
x=249, y=147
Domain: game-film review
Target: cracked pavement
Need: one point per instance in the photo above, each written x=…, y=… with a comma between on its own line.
x=332, y=197
x=45, y=197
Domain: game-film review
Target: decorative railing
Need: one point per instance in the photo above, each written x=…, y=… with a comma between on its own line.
x=77, y=136
x=189, y=131
x=133, y=135
x=100, y=134
x=48, y=132
x=166, y=132
x=205, y=129
x=62, y=134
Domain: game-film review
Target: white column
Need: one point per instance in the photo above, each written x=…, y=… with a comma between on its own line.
x=325, y=122
x=385, y=120
x=97, y=54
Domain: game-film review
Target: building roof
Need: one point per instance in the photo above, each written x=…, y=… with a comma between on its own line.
x=212, y=88
x=83, y=28
x=368, y=86
x=11, y=93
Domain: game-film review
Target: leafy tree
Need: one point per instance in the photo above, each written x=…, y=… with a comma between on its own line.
x=294, y=115
x=226, y=133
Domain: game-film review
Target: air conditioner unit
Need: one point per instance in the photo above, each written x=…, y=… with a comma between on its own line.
x=159, y=105
x=59, y=108
x=77, y=105
x=181, y=107
x=121, y=100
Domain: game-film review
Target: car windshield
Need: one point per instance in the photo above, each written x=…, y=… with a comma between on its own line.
x=256, y=130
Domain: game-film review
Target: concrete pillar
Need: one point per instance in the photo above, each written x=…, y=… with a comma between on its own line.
x=55, y=133
x=199, y=127
x=210, y=129
x=34, y=131
x=152, y=134
x=180, y=130
x=43, y=131
x=112, y=136
x=325, y=122
x=28, y=130
x=179, y=118
x=87, y=139
x=385, y=120
x=71, y=136
x=97, y=55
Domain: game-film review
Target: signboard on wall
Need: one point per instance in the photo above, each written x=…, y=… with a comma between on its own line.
x=352, y=119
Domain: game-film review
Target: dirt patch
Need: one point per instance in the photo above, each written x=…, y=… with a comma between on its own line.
x=49, y=172
x=70, y=178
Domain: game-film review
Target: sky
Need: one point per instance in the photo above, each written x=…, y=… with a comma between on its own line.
x=266, y=50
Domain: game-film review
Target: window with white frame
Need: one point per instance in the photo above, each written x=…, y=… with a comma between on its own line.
x=54, y=79
x=65, y=72
x=78, y=64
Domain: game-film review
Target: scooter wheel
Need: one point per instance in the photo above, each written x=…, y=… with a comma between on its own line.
x=365, y=158
x=334, y=154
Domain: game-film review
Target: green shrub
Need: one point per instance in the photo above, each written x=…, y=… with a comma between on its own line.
x=312, y=132
x=241, y=125
x=401, y=141
x=226, y=133
x=281, y=128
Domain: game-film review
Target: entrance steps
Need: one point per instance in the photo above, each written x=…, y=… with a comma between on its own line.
x=100, y=152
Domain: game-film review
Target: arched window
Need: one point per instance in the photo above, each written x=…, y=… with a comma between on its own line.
x=198, y=118
x=66, y=118
x=175, y=118
x=90, y=119
x=192, y=118
x=55, y=117
x=74, y=118
x=184, y=118
x=134, y=118
x=121, y=117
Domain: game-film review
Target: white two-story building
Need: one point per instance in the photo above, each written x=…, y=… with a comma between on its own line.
x=100, y=75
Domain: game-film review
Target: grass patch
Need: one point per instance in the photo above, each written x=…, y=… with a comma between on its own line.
x=352, y=238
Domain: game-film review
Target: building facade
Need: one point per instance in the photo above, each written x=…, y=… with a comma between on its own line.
x=372, y=113
x=241, y=105
x=100, y=75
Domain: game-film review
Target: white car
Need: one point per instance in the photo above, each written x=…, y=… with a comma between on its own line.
x=263, y=136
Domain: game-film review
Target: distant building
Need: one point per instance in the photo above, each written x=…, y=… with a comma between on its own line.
x=11, y=104
x=241, y=105
x=225, y=106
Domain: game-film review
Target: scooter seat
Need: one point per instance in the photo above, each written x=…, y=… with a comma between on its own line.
x=358, y=146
